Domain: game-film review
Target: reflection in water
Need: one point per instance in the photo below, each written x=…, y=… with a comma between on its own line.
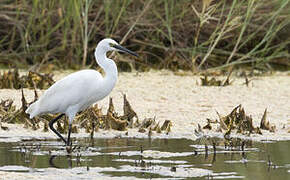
x=51, y=161
x=175, y=158
x=69, y=161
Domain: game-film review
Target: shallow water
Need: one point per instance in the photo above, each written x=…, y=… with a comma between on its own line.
x=151, y=158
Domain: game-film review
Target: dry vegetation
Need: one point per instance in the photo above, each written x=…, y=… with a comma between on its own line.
x=92, y=119
x=237, y=121
x=12, y=80
x=172, y=34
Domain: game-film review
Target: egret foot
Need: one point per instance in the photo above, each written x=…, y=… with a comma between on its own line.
x=69, y=149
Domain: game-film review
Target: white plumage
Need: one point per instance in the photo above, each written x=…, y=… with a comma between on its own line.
x=81, y=89
x=76, y=91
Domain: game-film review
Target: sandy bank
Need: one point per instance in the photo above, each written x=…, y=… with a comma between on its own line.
x=184, y=102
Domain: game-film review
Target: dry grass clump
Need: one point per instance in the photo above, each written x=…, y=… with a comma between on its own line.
x=239, y=122
x=206, y=81
x=12, y=80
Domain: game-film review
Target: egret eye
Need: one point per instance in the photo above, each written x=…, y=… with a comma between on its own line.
x=111, y=44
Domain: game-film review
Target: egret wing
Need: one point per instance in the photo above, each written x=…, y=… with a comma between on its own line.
x=73, y=90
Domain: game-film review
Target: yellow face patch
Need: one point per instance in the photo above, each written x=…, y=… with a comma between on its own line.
x=112, y=45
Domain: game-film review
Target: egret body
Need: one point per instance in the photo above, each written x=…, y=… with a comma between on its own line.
x=79, y=90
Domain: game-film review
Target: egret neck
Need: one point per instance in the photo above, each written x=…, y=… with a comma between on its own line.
x=109, y=67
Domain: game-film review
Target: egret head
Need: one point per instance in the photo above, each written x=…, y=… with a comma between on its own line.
x=112, y=45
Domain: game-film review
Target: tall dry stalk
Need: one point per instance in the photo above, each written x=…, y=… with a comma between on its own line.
x=85, y=32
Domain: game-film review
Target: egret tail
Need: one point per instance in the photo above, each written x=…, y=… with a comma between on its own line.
x=32, y=110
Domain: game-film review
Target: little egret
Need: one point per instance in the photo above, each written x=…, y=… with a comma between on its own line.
x=79, y=90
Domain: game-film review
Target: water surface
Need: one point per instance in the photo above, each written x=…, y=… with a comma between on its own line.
x=152, y=158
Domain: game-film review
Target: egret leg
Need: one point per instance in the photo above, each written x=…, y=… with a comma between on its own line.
x=54, y=130
x=68, y=136
x=71, y=112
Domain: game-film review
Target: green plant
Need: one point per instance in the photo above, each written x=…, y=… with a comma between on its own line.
x=190, y=35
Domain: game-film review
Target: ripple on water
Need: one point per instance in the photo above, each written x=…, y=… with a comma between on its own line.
x=123, y=159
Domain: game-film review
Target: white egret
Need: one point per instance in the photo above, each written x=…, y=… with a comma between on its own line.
x=79, y=90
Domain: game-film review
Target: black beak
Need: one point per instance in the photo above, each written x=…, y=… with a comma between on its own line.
x=125, y=50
